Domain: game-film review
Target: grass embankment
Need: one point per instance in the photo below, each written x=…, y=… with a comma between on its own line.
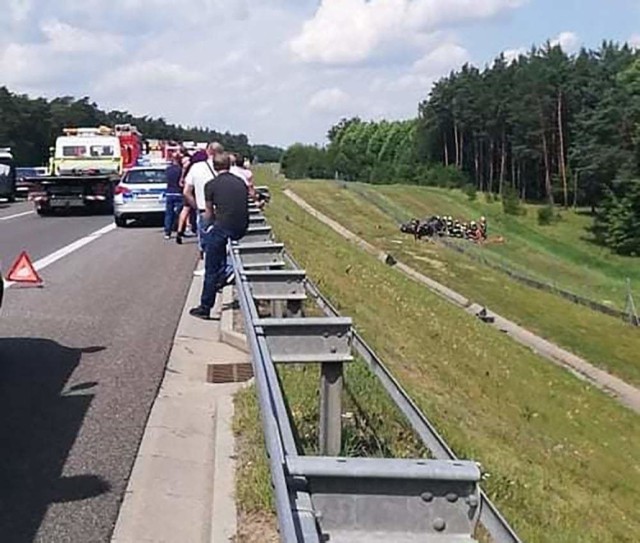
x=604, y=341
x=561, y=254
x=562, y=458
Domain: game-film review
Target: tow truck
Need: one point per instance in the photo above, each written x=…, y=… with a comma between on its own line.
x=86, y=165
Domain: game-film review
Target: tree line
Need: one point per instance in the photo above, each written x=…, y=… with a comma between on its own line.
x=30, y=126
x=548, y=127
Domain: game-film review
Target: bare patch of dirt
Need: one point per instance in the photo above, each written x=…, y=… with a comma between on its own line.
x=256, y=528
x=437, y=264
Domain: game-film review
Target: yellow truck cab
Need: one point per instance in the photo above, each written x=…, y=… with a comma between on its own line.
x=87, y=150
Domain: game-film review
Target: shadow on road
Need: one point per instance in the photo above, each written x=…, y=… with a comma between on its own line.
x=39, y=422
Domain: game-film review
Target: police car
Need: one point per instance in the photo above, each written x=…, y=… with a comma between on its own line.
x=140, y=194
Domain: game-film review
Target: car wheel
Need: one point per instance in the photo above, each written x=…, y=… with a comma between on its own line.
x=121, y=222
x=44, y=211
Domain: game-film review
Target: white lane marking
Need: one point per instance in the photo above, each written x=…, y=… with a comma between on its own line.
x=16, y=215
x=67, y=250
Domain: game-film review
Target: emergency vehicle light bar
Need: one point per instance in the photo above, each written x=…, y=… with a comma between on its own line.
x=101, y=131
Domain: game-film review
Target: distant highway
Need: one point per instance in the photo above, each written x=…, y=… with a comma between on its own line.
x=80, y=363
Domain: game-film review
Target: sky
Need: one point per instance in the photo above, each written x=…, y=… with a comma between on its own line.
x=281, y=71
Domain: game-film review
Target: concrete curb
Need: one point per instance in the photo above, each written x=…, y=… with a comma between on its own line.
x=223, y=510
x=623, y=392
x=227, y=334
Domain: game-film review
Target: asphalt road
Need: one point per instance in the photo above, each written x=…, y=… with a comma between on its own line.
x=80, y=363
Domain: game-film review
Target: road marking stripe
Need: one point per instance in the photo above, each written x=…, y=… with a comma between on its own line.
x=67, y=250
x=16, y=215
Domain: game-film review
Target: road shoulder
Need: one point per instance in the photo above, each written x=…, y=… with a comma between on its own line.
x=182, y=484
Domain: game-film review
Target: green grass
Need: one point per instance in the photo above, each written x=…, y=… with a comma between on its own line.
x=561, y=458
x=253, y=483
x=604, y=341
x=562, y=254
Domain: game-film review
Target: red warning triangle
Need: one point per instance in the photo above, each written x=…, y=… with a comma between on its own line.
x=23, y=271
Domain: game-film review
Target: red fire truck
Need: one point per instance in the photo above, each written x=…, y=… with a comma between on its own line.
x=130, y=144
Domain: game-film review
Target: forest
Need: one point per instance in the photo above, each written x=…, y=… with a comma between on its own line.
x=30, y=125
x=547, y=127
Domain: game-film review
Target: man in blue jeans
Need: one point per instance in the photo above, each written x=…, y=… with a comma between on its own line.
x=173, y=195
x=226, y=217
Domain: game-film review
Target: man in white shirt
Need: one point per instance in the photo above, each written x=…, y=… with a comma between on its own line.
x=198, y=176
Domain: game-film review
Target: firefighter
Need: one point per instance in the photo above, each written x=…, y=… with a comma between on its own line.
x=449, y=225
x=474, y=232
x=483, y=228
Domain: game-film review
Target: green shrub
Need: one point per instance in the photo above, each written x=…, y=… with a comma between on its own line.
x=617, y=223
x=445, y=176
x=511, y=202
x=471, y=192
x=546, y=215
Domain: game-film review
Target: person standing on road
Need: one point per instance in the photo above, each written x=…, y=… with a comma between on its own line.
x=226, y=217
x=173, y=196
x=197, y=177
x=186, y=210
x=189, y=216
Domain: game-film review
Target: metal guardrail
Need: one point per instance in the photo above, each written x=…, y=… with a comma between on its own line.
x=327, y=497
x=497, y=526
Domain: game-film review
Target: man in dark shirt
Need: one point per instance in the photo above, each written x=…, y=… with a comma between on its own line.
x=173, y=195
x=226, y=217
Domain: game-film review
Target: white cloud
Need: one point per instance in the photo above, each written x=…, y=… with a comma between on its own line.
x=634, y=41
x=511, y=55
x=352, y=31
x=331, y=100
x=569, y=42
x=442, y=59
x=65, y=38
x=20, y=65
x=18, y=10
x=151, y=75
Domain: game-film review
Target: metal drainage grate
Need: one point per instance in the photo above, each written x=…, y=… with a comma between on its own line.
x=229, y=373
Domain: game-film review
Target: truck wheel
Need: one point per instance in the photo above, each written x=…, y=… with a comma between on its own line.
x=44, y=212
x=121, y=222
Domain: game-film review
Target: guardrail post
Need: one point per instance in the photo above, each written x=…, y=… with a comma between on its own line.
x=331, y=408
x=277, y=309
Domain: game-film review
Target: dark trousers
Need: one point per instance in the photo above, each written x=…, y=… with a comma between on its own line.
x=193, y=219
x=173, y=206
x=215, y=241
